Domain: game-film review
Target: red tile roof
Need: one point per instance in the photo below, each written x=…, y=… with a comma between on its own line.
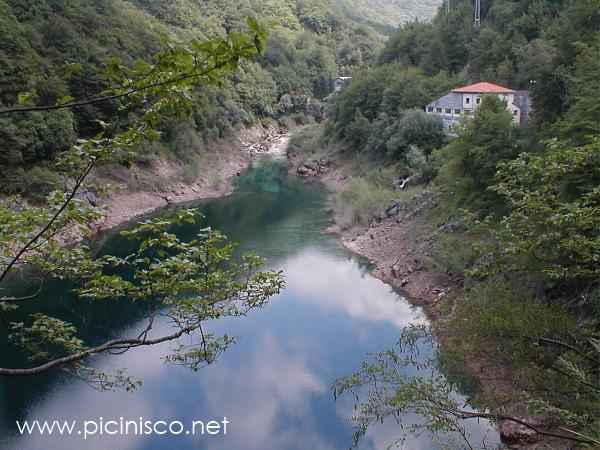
x=484, y=88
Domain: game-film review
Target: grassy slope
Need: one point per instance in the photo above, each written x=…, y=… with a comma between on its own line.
x=390, y=13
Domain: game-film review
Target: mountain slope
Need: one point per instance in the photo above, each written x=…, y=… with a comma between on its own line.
x=390, y=13
x=55, y=49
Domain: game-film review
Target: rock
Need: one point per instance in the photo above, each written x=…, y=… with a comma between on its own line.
x=393, y=210
x=513, y=433
x=453, y=227
x=401, y=183
x=378, y=218
x=89, y=197
x=306, y=170
x=314, y=165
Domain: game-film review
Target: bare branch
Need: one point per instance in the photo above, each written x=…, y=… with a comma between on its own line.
x=25, y=298
x=51, y=222
x=116, y=344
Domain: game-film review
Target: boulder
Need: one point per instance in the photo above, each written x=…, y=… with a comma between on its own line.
x=393, y=210
x=304, y=170
x=401, y=183
x=514, y=433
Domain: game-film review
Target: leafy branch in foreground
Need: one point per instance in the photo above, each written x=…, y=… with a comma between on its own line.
x=397, y=384
x=175, y=69
x=186, y=283
x=181, y=285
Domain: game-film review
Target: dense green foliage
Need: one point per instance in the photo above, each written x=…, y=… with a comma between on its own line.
x=519, y=213
x=523, y=44
x=56, y=51
x=380, y=115
x=387, y=14
x=470, y=161
x=549, y=48
x=189, y=282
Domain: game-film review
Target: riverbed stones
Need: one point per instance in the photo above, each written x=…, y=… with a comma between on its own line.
x=313, y=168
x=514, y=433
x=393, y=210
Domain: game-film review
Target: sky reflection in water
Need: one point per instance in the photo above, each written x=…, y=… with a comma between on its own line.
x=274, y=385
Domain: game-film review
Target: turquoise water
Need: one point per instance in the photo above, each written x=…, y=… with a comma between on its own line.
x=274, y=385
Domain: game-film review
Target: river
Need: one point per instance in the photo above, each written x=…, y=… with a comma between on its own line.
x=274, y=385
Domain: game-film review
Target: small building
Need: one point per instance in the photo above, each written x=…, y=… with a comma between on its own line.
x=340, y=83
x=464, y=101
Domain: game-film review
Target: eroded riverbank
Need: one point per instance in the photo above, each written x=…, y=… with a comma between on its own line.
x=220, y=167
x=274, y=384
x=401, y=257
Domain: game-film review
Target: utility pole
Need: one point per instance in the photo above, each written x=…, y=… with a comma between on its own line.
x=477, y=13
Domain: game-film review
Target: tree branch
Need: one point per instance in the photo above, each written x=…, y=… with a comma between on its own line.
x=76, y=104
x=116, y=344
x=51, y=222
x=25, y=298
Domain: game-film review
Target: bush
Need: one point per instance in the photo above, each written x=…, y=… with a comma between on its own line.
x=360, y=201
x=307, y=140
x=504, y=315
x=39, y=182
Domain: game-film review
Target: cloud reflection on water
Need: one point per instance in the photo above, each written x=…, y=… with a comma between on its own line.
x=344, y=286
x=274, y=386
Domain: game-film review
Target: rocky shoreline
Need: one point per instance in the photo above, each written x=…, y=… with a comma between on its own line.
x=228, y=162
x=399, y=261
x=386, y=242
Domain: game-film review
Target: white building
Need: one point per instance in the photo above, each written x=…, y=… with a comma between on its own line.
x=465, y=100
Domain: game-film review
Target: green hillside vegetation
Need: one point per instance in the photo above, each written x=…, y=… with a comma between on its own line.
x=390, y=13
x=523, y=202
x=54, y=51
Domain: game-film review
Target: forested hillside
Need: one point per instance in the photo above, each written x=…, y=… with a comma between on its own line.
x=390, y=13
x=518, y=211
x=54, y=51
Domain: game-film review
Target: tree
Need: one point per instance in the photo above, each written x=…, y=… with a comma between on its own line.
x=582, y=120
x=554, y=200
x=185, y=282
x=472, y=158
x=399, y=384
x=418, y=129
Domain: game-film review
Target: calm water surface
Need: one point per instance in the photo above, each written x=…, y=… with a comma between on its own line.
x=274, y=385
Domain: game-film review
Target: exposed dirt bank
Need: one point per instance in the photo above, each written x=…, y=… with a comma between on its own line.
x=399, y=254
x=389, y=244
x=163, y=182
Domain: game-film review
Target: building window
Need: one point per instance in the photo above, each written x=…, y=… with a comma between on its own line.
x=448, y=111
x=430, y=109
x=438, y=110
x=467, y=100
x=457, y=111
x=515, y=112
x=478, y=100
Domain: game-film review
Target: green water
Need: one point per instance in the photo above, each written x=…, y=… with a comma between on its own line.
x=274, y=384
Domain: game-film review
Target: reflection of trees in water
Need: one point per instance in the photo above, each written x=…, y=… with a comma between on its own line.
x=269, y=209
x=265, y=199
x=266, y=176
x=94, y=320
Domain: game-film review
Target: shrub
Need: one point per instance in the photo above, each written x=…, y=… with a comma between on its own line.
x=360, y=201
x=39, y=182
x=307, y=140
